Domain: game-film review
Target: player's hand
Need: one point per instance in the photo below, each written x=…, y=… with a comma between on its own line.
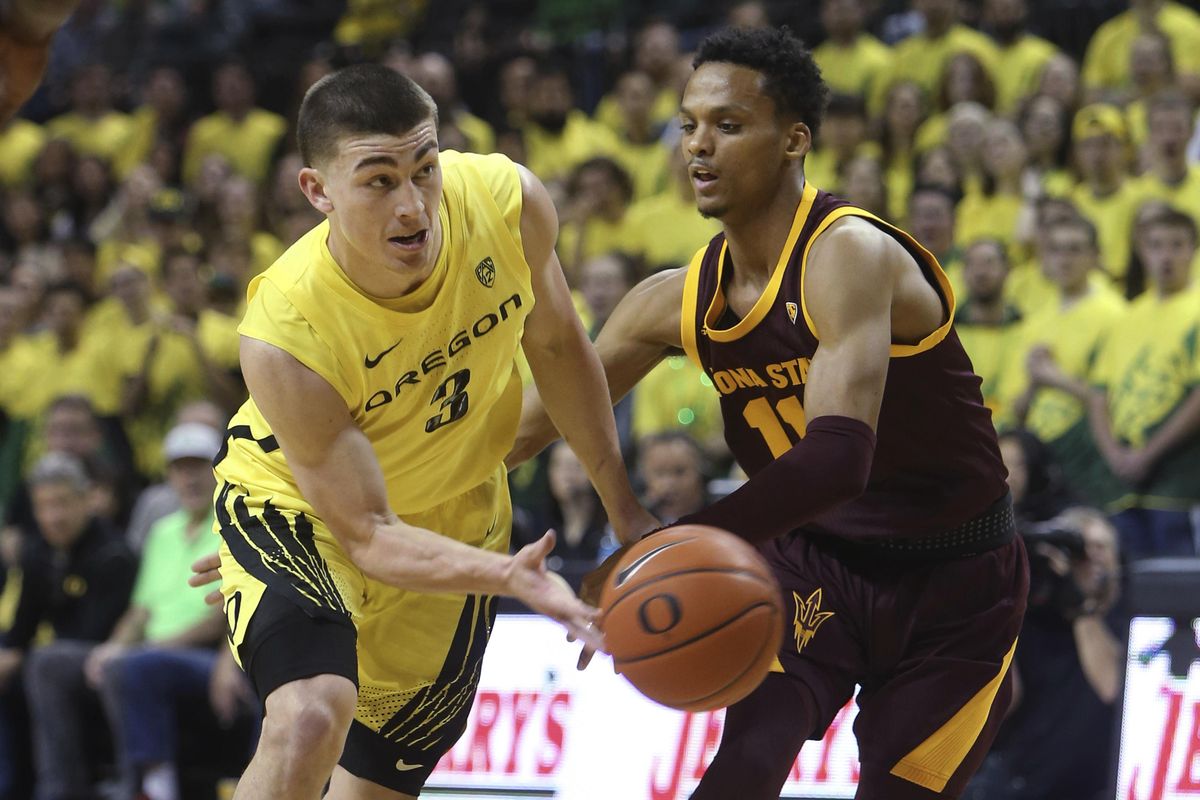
x=635, y=526
x=206, y=570
x=547, y=593
x=228, y=689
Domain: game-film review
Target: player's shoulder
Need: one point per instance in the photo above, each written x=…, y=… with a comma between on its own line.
x=296, y=263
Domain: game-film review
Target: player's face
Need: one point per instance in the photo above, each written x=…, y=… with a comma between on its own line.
x=735, y=143
x=381, y=194
x=1168, y=251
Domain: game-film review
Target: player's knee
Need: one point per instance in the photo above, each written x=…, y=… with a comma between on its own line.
x=309, y=718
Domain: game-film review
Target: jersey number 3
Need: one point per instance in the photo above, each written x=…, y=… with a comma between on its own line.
x=453, y=399
x=767, y=421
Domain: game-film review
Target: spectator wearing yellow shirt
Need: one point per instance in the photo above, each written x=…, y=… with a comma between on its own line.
x=656, y=53
x=904, y=111
x=852, y=61
x=843, y=136
x=1020, y=57
x=1144, y=399
x=245, y=135
x=863, y=185
x=1169, y=176
x=986, y=323
x=967, y=125
x=92, y=125
x=666, y=230
x=1106, y=194
x=1044, y=122
x=1028, y=287
x=1152, y=70
x=371, y=23
x=1072, y=329
x=922, y=57
x=559, y=137
x=434, y=73
x=964, y=83
x=931, y=222
x=20, y=141
x=596, y=219
x=993, y=210
x=240, y=221
x=641, y=152
x=1106, y=64
x=1060, y=80
x=603, y=281
x=160, y=118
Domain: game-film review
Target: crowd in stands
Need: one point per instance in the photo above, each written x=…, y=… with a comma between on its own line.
x=1056, y=178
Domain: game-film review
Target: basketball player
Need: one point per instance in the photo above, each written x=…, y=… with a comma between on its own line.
x=363, y=503
x=876, y=488
x=26, y=30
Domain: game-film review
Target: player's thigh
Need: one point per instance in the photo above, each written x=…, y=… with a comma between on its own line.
x=345, y=786
x=931, y=715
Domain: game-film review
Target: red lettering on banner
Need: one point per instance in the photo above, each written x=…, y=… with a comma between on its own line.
x=1167, y=743
x=712, y=739
x=560, y=705
x=822, y=775
x=1188, y=781
x=487, y=710
x=522, y=704
x=672, y=788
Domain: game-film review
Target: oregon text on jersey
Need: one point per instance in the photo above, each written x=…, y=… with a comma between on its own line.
x=440, y=357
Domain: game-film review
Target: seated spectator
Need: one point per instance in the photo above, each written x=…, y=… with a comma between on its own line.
x=1169, y=177
x=596, y=220
x=931, y=221
x=1035, y=479
x=922, y=57
x=994, y=209
x=558, y=136
x=434, y=73
x=93, y=126
x=73, y=582
x=1072, y=330
x=842, y=137
x=641, y=151
x=160, y=659
x=1144, y=400
x=986, y=323
x=1044, y=122
x=1152, y=70
x=903, y=112
x=666, y=230
x=673, y=470
x=863, y=185
x=1106, y=64
x=1106, y=195
x=238, y=130
x=1021, y=56
x=1056, y=742
x=851, y=60
x=655, y=53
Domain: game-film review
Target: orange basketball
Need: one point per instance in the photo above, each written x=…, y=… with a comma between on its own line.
x=693, y=617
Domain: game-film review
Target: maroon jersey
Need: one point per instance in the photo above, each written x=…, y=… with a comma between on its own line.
x=937, y=464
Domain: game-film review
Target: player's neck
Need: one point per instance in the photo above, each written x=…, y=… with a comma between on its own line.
x=379, y=282
x=756, y=241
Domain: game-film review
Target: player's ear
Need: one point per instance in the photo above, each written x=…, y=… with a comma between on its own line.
x=799, y=141
x=313, y=185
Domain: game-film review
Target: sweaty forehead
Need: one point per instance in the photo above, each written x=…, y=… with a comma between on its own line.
x=718, y=84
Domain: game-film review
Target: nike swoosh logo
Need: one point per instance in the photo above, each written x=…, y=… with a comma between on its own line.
x=627, y=573
x=372, y=363
x=404, y=766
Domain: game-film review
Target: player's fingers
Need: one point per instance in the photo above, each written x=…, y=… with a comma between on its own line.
x=585, y=658
x=204, y=578
x=213, y=598
x=207, y=563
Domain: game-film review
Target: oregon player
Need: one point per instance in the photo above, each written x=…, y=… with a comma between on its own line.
x=362, y=492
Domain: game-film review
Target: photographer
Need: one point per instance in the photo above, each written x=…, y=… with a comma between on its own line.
x=1067, y=668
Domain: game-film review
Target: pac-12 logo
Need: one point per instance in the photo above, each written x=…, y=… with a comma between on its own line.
x=485, y=271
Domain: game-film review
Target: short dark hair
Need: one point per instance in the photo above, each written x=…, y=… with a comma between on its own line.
x=791, y=77
x=1172, y=218
x=615, y=171
x=992, y=242
x=1081, y=223
x=360, y=99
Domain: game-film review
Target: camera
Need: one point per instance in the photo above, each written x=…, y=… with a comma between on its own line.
x=1051, y=587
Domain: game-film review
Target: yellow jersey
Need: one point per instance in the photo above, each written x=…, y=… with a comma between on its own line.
x=106, y=137
x=21, y=141
x=1018, y=69
x=429, y=377
x=247, y=144
x=922, y=59
x=861, y=68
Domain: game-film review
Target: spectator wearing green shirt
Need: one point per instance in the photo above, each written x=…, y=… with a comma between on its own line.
x=160, y=657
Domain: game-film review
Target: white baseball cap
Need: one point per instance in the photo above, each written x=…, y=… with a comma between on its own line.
x=192, y=440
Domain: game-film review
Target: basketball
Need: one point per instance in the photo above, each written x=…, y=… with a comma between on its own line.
x=692, y=617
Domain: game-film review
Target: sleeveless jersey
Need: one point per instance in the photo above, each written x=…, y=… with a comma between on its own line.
x=937, y=463
x=429, y=377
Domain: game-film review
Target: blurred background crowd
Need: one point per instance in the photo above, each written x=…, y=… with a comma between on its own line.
x=1047, y=153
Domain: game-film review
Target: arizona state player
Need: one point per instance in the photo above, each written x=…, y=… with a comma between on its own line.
x=876, y=489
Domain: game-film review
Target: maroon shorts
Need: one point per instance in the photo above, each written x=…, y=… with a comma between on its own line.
x=929, y=643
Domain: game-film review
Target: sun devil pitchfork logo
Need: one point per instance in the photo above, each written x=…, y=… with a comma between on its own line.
x=791, y=311
x=809, y=617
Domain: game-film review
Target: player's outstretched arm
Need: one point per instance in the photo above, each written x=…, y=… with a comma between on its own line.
x=642, y=329
x=336, y=469
x=567, y=371
x=850, y=282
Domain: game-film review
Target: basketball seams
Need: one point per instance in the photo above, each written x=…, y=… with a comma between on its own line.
x=633, y=588
x=702, y=635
